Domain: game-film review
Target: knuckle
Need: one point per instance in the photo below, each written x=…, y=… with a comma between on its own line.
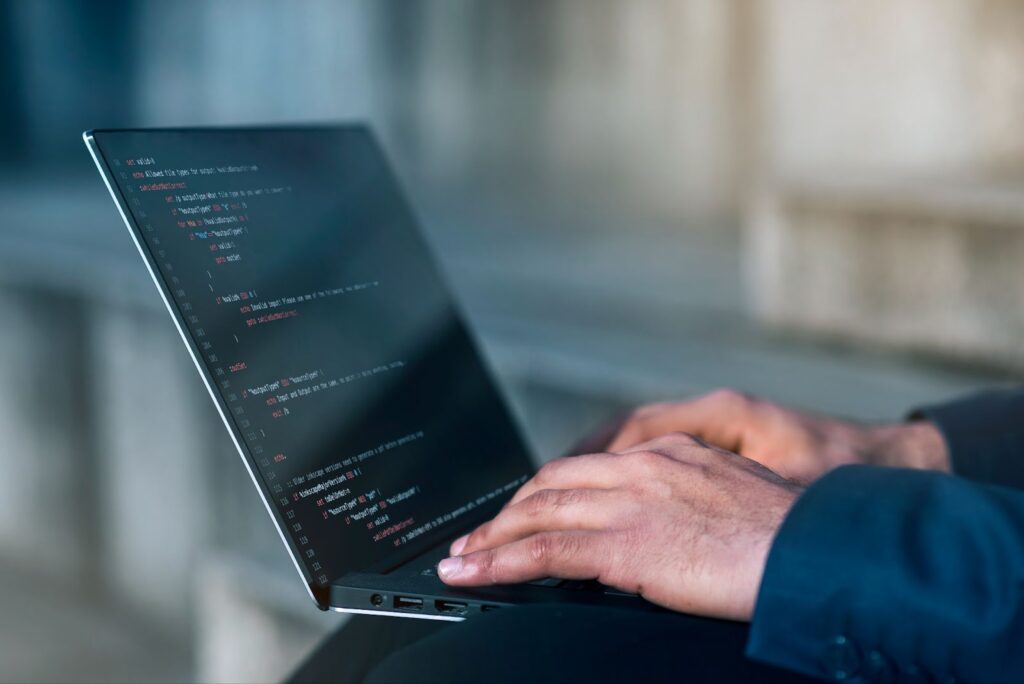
x=570, y=497
x=487, y=566
x=618, y=569
x=549, y=550
x=689, y=439
x=727, y=396
x=547, y=471
x=630, y=506
x=647, y=459
x=539, y=502
x=685, y=437
x=540, y=549
x=656, y=488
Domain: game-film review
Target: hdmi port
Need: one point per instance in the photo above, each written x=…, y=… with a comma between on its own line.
x=408, y=603
x=451, y=607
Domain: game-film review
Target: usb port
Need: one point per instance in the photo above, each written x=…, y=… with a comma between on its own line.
x=451, y=607
x=408, y=603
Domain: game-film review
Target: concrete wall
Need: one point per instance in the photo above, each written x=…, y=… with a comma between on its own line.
x=48, y=521
x=866, y=84
x=635, y=100
x=158, y=460
x=935, y=270
x=889, y=206
x=919, y=86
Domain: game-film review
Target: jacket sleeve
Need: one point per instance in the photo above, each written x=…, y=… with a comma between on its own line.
x=879, y=574
x=984, y=434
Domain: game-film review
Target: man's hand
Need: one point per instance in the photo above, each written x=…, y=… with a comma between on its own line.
x=685, y=525
x=799, y=445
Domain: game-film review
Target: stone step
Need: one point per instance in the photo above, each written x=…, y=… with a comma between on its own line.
x=934, y=266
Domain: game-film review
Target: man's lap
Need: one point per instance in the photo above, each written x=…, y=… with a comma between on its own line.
x=544, y=642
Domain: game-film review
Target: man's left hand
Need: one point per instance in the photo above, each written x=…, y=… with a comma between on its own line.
x=685, y=525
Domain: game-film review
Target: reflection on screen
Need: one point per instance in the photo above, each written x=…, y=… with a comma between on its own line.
x=318, y=312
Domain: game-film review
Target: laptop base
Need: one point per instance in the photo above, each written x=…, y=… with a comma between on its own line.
x=414, y=590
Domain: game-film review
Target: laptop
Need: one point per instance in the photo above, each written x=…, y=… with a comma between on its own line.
x=341, y=367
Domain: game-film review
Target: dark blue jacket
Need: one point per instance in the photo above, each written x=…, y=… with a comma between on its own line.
x=901, y=575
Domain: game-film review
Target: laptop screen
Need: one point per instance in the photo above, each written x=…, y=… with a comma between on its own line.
x=296, y=267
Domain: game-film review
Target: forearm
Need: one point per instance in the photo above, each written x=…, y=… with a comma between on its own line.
x=891, y=568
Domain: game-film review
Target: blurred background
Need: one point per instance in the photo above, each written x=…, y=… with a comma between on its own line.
x=818, y=202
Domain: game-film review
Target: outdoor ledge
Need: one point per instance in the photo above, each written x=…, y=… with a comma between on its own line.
x=926, y=265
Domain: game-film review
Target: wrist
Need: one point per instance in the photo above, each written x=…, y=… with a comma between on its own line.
x=760, y=547
x=917, y=444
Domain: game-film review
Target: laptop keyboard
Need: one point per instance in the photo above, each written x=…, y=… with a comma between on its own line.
x=555, y=583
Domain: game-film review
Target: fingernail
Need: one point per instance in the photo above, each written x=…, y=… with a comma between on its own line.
x=459, y=544
x=449, y=567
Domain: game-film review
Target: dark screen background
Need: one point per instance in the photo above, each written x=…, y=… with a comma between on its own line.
x=318, y=311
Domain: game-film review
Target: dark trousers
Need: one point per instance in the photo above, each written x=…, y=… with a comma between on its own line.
x=539, y=643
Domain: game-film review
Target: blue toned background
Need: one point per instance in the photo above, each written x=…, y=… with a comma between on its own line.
x=820, y=202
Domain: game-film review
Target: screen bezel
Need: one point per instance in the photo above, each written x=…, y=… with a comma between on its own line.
x=319, y=595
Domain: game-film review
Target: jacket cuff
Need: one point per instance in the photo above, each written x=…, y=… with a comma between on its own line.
x=884, y=571
x=984, y=434
x=797, y=617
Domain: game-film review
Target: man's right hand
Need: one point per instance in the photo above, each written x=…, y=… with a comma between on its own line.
x=799, y=445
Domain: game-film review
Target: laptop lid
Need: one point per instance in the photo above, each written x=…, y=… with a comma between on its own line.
x=298, y=279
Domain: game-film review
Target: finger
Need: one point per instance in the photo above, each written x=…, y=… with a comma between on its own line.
x=667, y=442
x=596, y=471
x=568, y=555
x=686, y=448
x=718, y=417
x=592, y=471
x=547, y=510
x=680, y=446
